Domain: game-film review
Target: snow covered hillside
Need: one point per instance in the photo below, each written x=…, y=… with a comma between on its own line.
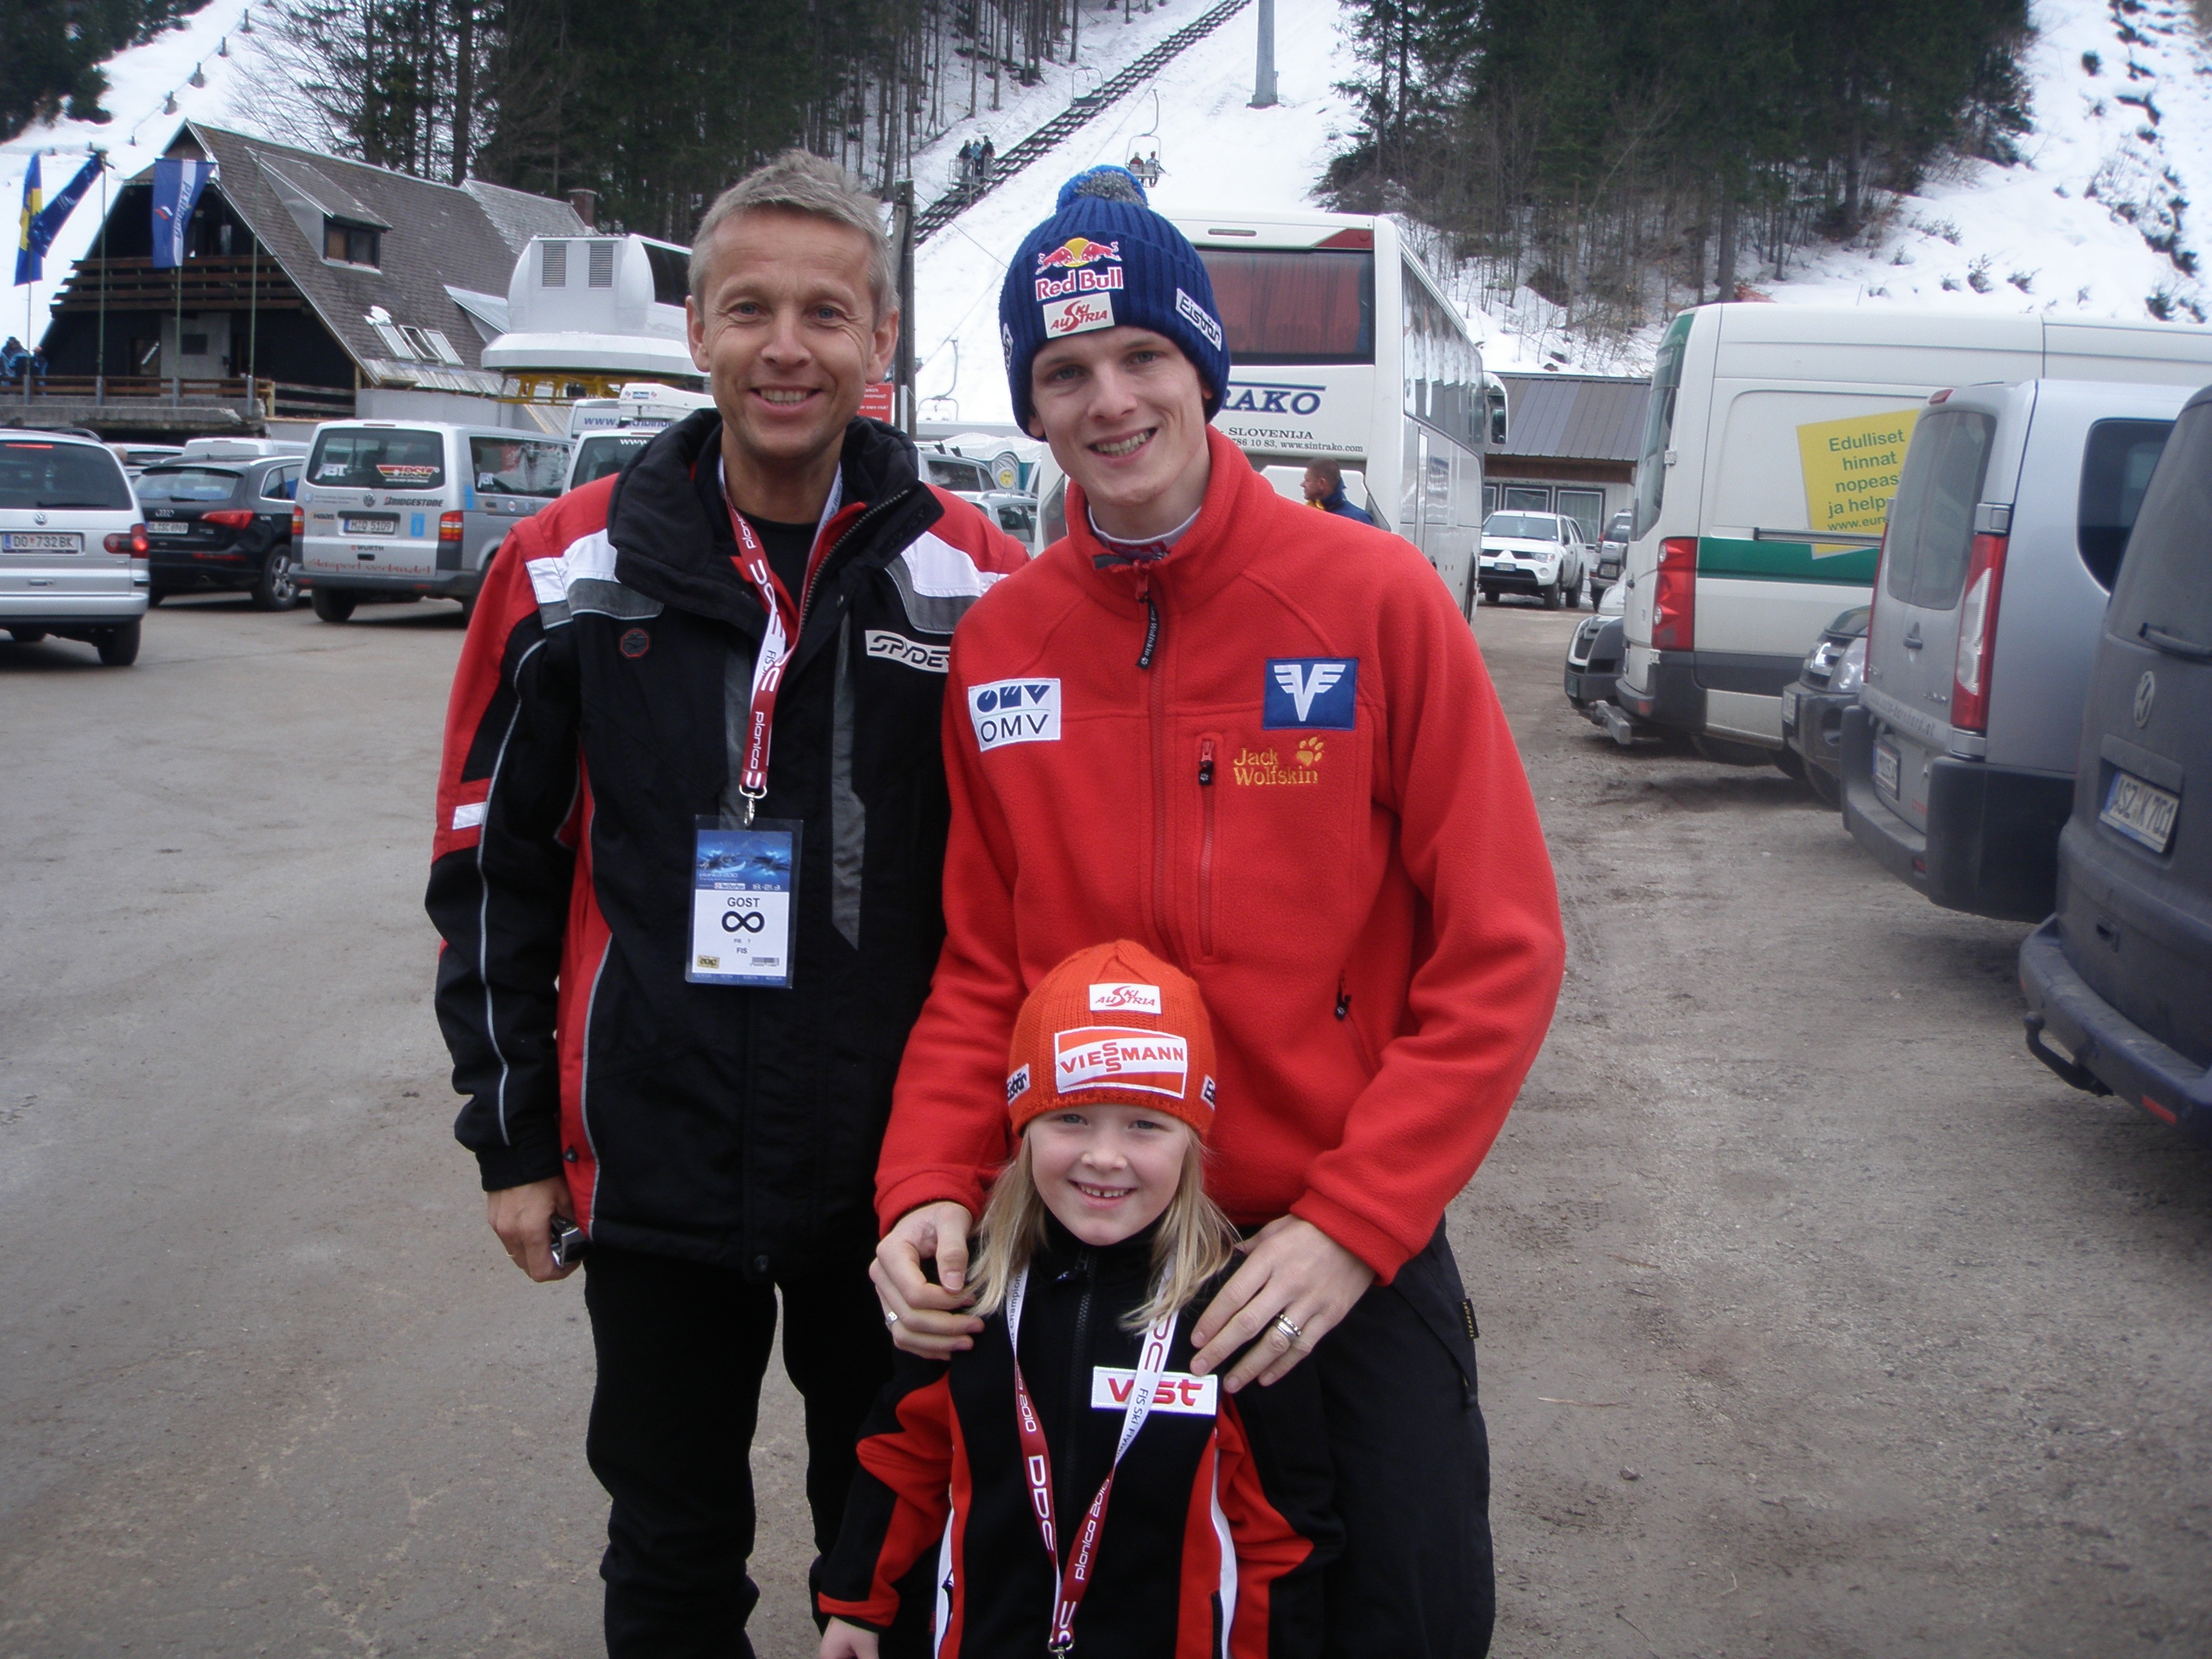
x=140, y=82
x=1217, y=153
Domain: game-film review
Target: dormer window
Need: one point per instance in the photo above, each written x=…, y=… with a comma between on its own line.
x=348, y=244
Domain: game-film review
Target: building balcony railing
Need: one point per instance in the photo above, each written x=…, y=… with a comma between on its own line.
x=260, y=398
x=228, y=281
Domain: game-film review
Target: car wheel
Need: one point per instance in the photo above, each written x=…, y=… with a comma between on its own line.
x=331, y=606
x=278, y=587
x=468, y=608
x=155, y=595
x=1788, y=763
x=1597, y=594
x=1826, y=787
x=1552, y=595
x=1727, y=753
x=1490, y=596
x=119, y=647
x=27, y=636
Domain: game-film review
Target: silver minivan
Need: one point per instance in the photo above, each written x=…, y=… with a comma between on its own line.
x=2004, y=538
x=403, y=509
x=73, y=548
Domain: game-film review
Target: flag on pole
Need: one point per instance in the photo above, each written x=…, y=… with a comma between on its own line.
x=42, y=224
x=177, y=187
x=27, y=263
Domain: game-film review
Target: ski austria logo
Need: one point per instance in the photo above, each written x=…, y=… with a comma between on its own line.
x=1199, y=318
x=1014, y=711
x=1018, y=1084
x=1149, y=1062
x=1314, y=692
x=1119, y=999
x=897, y=647
x=1078, y=315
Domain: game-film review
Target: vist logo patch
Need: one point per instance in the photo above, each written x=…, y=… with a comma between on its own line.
x=1151, y=1063
x=1317, y=693
x=897, y=647
x=1178, y=1392
x=1014, y=711
x=1078, y=315
x=1121, y=998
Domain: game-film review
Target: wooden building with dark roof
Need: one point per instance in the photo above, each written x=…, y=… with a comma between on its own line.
x=1571, y=444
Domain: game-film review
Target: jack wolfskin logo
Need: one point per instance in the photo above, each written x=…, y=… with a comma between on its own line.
x=1309, y=751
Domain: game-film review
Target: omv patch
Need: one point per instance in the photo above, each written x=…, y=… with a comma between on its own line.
x=1310, y=694
x=1014, y=711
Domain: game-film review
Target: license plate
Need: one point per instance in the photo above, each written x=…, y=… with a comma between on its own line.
x=1789, y=705
x=370, y=526
x=168, y=530
x=42, y=541
x=1886, y=769
x=2139, y=812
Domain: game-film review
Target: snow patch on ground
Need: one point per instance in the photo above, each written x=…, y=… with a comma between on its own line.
x=139, y=80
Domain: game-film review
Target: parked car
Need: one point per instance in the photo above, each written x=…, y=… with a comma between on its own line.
x=72, y=549
x=2121, y=975
x=1612, y=554
x=1593, y=655
x=1012, y=512
x=599, y=453
x=2004, y=539
x=1827, y=687
x=957, y=474
x=393, y=510
x=1537, y=553
x=225, y=528
x=136, y=457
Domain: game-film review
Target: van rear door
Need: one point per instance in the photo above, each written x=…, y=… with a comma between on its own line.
x=1913, y=646
x=379, y=493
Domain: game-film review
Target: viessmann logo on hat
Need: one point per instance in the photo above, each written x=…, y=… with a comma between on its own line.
x=1151, y=1063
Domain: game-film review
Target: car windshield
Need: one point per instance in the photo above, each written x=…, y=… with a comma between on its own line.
x=605, y=452
x=64, y=476
x=379, y=457
x=1523, y=526
x=186, y=483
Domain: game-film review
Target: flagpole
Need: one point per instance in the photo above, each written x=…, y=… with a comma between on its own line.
x=99, y=363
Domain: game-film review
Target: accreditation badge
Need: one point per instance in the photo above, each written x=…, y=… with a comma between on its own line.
x=744, y=881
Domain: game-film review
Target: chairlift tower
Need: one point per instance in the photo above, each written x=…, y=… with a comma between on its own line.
x=1263, y=78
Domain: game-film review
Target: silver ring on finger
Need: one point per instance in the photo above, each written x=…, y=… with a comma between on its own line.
x=889, y=1318
x=1289, y=1329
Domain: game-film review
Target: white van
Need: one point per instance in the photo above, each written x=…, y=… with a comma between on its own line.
x=406, y=509
x=608, y=432
x=1773, y=443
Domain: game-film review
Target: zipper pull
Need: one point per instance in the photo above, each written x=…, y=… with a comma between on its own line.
x=1343, y=1000
x=1151, y=624
x=1205, y=763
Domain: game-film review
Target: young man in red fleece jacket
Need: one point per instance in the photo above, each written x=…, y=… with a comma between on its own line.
x=1261, y=740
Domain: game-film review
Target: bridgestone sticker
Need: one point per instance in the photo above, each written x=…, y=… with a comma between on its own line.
x=1014, y=711
x=897, y=647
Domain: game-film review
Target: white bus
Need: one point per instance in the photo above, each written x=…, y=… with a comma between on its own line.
x=1343, y=347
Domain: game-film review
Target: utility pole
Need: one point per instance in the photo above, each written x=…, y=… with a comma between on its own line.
x=902, y=361
x=1263, y=79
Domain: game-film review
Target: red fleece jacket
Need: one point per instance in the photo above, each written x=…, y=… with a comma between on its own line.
x=1309, y=800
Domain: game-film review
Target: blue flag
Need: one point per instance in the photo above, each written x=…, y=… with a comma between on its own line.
x=41, y=225
x=27, y=263
x=177, y=187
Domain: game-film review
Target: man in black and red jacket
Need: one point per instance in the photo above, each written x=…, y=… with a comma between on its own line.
x=714, y=1143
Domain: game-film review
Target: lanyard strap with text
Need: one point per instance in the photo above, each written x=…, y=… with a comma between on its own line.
x=1037, y=1461
x=778, y=640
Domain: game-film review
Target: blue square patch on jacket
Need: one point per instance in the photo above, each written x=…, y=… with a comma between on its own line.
x=1311, y=694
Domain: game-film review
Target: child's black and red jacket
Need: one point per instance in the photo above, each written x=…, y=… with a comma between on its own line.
x=1219, y=1527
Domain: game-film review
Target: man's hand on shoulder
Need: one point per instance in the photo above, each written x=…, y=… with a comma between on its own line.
x=1292, y=1270
x=523, y=1219
x=925, y=1319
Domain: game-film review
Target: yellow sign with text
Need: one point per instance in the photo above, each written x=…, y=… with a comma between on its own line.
x=1851, y=468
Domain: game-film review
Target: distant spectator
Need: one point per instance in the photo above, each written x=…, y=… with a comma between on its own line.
x=1324, y=489
x=986, y=159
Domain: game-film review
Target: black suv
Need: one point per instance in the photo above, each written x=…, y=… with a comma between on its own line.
x=223, y=525
x=2121, y=975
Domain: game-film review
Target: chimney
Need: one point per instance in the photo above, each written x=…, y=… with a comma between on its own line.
x=587, y=203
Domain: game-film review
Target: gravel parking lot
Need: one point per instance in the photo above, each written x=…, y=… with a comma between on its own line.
x=1817, y=1318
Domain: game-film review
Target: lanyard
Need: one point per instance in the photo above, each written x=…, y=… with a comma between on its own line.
x=778, y=640
x=1037, y=1462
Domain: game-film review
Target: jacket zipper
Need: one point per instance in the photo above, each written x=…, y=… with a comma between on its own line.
x=1207, y=798
x=1157, y=692
x=1078, y=1392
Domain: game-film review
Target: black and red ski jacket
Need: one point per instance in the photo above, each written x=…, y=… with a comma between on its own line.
x=599, y=700
x=1217, y=1530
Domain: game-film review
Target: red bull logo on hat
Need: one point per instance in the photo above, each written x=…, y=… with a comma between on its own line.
x=1078, y=252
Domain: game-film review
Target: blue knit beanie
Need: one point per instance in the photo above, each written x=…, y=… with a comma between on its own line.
x=1105, y=259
